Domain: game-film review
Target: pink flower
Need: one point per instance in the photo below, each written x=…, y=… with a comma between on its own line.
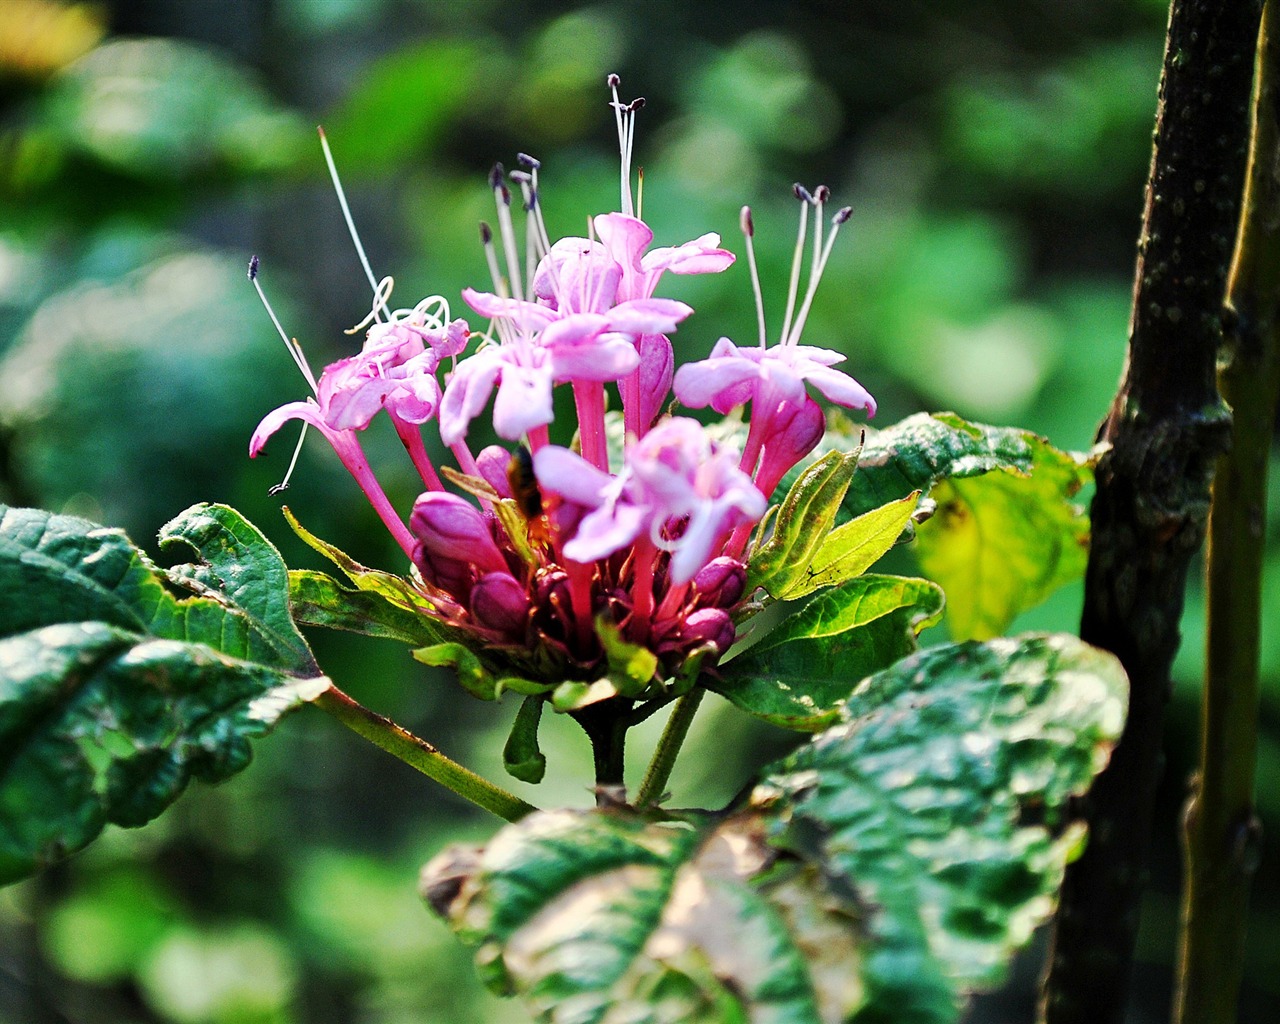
x=627, y=239
x=678, y=490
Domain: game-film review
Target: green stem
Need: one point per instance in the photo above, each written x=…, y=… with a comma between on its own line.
x=419, y=754
x=664, y=758
x=606, y=724
x=1222, y=832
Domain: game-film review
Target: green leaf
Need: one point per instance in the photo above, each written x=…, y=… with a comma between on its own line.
x=798, y=675
x=521, y=756
x=853, y=547
x=241, y=567
x=880, y=873
x=915, y=454
x=317, y=599
x=394, y=589
x=1001, y=543
x=114, y=693
x=942, y=799
x=802, y=525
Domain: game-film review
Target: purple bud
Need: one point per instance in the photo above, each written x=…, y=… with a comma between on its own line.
x=657, y=368
x=452, y=528
x=720, y=583
x=708, y=626
x=748, y=225
x=499, y=602
x=492, y=463
x=253, y=268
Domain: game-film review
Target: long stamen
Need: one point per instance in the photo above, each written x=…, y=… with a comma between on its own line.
x=820, y=195
x=346, y=212
x=748, y=231
x=624, y=172
x=525, y=181
x=295, y=350
x=632, y=107
x=794, y=286
x=640, y=194
x=841, y=216
x=502, y=197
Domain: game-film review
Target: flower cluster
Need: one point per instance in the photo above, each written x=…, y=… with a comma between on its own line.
x=539, y=549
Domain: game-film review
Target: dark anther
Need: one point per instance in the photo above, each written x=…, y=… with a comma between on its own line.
x=842, y=215
x=496, y=175
x=613, y=81
x=802, y=193
x=821, y=194
x=748, y=225
x=635, y=104
x=486, y=233
x=253, y=268
x=531, y=162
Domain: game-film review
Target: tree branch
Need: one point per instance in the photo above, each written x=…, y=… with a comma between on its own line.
x=1167, y=428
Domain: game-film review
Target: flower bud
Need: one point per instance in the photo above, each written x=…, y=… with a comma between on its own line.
x=720, y=583
x=499, y=602
x=450, y=528
x=708, y=626
x=492, y=462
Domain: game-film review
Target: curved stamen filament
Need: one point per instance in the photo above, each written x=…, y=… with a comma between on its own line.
x=346, y=213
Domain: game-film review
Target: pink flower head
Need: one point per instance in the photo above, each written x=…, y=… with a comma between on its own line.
x=678, y=490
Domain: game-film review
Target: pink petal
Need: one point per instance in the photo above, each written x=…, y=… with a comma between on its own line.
x=842, y=389
x=467, y=393
x=626, y=237
x=648, y=316
x=609, y=357
x=574, y=329
x=703, y=255
x=605, y=531
x=528, y=316
x=571, y=476
x=523, y=402
x=306, y=411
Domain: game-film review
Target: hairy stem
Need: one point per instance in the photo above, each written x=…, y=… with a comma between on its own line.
x=664, y=757
x=419, y=754
x=1222, y=831
x=606, y=724
x=1166, y=428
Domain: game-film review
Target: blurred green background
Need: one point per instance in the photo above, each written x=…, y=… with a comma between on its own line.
x=994, y=153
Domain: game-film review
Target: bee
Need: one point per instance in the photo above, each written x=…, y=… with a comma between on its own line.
x=528, y=498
